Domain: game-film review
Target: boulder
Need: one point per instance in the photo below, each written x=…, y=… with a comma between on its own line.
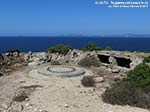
x=99, y=79
x=136, y=62
x=1, y=74
x=28, y=56
x=15, y=54
x=7, y=54
x=112, y=60
x=33, y=64
x=17, y=65
x=1, y=58
x=42, y=56
x=117, y=69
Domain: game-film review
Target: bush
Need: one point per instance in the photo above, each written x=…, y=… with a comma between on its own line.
x=13, y=50
x=140, y=75
x=89, y=61
x=88, y=81
x=146, y=59
x=134, y=90
x=127, y=93
x=91, y=47
x=61, y=49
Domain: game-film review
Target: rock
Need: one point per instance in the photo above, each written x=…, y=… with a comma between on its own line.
x=42, y=56
x=35, y=59
x=4, y=106
x=66, y=106
x=43, y=111
x=123, y=69
x=7, y=54
x=9, y=63
x=99, y=79
x=16, y=54
x=135, y=62
x=17, y=65
x=117, y=78
x=35, y=110
x=115, y=71
x=1, y=74
x=112, y=60
x=28, y=104
x=30, y=53
x=28, y=56
x=118, y=69
x=8, y=70
x=22, y=81
x=33, y=64
x=17, y=107
x=27, y=99
x=78, y=86
x=12, y=110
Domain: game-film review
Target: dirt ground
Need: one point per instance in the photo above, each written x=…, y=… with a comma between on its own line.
x=63, y=95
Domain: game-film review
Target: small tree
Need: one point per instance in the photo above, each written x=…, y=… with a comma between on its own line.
x=61, y=49
x=89, y=61
x=91, y=47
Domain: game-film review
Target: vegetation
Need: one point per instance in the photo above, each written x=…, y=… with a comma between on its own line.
x=13, y=50
x=88, y=81
x=91, y=47
x=141, y=75
x=127, y=93
x=23, y=92
x=55, y=63
x=134, y=90
x=89, y=61
x=64, y=49
x=146, y=59
x=61, y=49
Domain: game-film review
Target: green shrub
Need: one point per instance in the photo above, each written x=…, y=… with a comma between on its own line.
x=88, y=81
x=140, y=75
x=13, y=50
x=89, y=61
x=61, y=49
x=127, y=93
x=108, y=48
x=91, y=47
x=133, y=90
x=146, y=59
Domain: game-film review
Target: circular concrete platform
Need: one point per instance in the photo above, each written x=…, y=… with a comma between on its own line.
x=56, y=72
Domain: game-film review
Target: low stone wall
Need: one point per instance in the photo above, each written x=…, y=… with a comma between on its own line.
x=117, y=58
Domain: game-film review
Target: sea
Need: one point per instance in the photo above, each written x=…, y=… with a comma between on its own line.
x=37, y=44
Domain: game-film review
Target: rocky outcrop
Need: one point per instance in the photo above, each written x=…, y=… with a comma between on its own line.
x=1, y=58
x=11, y=61
x=118, y=61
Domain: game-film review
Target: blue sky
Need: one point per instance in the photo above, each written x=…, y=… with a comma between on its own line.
x=60, y=17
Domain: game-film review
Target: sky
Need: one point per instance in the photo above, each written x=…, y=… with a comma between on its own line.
x=63, y=17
